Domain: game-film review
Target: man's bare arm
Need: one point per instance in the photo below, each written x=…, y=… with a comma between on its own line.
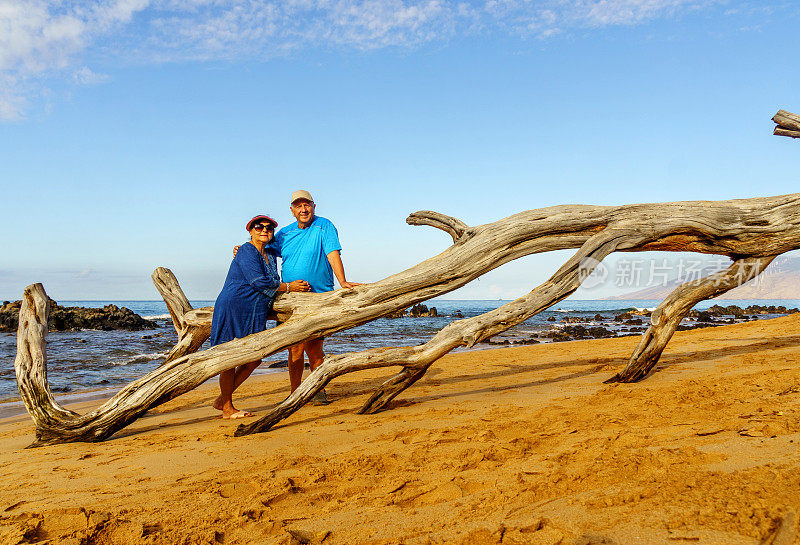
x=335, y=259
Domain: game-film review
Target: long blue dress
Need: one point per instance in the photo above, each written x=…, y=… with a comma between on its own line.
x=246, y=298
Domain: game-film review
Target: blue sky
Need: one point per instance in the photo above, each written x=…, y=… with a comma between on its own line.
x=144, y=133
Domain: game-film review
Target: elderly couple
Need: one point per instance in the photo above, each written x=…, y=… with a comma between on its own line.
x=309, y=252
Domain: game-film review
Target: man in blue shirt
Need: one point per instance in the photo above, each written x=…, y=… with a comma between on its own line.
x=309, y=251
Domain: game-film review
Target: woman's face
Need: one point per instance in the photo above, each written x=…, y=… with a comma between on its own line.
x=262, y=232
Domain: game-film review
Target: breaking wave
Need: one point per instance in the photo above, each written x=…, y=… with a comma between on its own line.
x=140, y=358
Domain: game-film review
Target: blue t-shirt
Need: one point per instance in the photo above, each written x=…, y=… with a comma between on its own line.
x=304, y=253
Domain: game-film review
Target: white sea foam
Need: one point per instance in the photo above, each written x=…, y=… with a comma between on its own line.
x=643, y=309
x=157, y=317
x=140, y=358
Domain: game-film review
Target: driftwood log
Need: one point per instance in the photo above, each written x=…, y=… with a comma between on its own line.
x=192, y=326
x=750, y=231
x=666, y=318
x=787, y=124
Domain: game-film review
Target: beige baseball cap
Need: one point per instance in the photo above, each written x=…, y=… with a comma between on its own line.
x=301, y=194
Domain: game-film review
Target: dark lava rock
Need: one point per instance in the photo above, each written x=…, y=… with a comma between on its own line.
x=506, y=342
x=581, y=332
x=9, y=316
x=703, y=316
x=572, y=319
x=574, y=332
x=419, y=310
x=739, y=312
x=732, y=310
x=557, y=336
x=108, y=318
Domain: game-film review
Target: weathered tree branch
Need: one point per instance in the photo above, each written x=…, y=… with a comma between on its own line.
x=454, y=227
x=739, y=228
x=788, y=124
x=787, y=120
x=31, y=363
x=193, y=326
x=467, y=332
x=785, y=132
x=668, y=315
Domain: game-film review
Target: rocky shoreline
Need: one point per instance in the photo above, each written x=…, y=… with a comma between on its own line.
x=568, y=328
x=572, y=328
x=108, y=318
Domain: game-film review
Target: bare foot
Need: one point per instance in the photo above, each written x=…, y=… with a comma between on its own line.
x=236, y=414
x=217, y=403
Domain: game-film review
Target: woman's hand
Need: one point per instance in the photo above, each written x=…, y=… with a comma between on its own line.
x=298, y=285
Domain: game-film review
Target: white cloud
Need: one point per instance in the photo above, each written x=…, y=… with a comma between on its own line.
x=380, y=23
x=40, y=39
x=204, y=29
x=547, y=17
x=625, y=12
x=11, y=105
x=85, y=76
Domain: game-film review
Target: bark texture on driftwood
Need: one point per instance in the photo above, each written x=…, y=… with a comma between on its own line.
x=193, y=326
x=787, y=124
x=30, y=365
x=757, y=228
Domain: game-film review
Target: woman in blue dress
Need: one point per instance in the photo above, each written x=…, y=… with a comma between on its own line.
x=242, y=306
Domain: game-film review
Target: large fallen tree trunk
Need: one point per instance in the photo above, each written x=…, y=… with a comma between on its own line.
x=741, y=229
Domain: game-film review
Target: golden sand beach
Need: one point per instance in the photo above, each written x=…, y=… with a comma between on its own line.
x=512, y=446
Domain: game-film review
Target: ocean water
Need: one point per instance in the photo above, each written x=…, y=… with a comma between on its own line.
x=83, y=361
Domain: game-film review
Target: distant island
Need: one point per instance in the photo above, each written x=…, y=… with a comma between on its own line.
x=781, y=280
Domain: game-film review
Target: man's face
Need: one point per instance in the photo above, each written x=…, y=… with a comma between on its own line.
x=303, y=210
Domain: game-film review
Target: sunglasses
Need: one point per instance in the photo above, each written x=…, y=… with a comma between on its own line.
x=262, y=227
